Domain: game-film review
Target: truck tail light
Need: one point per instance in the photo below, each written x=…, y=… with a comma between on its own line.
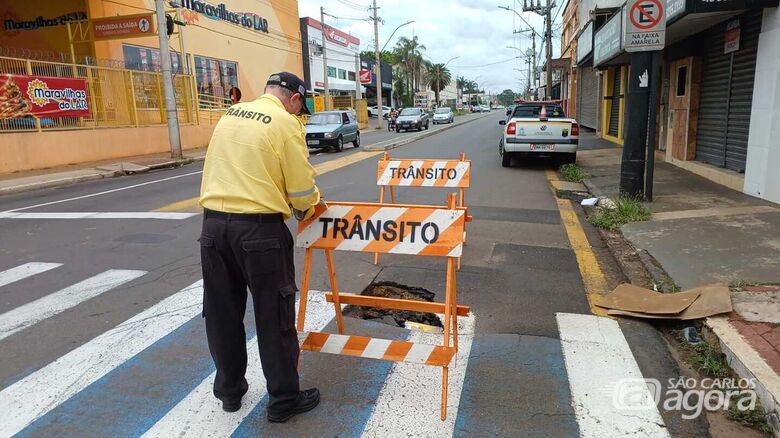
x=511, y=128
x=575, y=129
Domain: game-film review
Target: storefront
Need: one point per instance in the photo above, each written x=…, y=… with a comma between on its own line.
x=233, y=44
x=342, y=51
x=609, y=57
x=588, y=85
x=387, y=81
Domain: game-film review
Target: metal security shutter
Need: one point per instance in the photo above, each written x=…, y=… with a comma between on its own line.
x=587, y=99
x=726, y=95
x=614, y=112
x=741, y=100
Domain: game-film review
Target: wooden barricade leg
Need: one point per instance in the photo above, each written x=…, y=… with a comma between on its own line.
x=452, y=281
x=381, y=201
x=304, y=300
x=447, y=322
x=335, y=289
x=392, y=195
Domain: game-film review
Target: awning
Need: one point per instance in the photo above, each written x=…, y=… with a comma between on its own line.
x=683, y=19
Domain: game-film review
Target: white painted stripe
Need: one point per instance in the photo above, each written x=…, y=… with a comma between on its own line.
x=26, y=270
x=436, y=165
x=101, y=215
x=599, y=365
x=314, y=231
x=33, y=396
x=410, y=175
x=334, y=344
x=386, y=176
x=106, y=192
x=199, y=414
x=31, y=313
x=409, y=402
x=419, y=353
x=376, y=348
x=458, y=250
x=385, y=214
x=443, y=219
x=461, y=168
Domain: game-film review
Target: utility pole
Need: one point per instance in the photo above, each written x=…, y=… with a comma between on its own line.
x=378, y=67
x=167, y=78
x=532, y=57
x=545, y=11
x=358, y=93
x=326, y=91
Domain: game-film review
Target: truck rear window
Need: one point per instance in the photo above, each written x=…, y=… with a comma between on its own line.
x=554, y=111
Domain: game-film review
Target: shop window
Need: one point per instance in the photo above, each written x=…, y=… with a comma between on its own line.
x=682, y=80
x=342, y=74
x=215, y=76
x=351, y=75
x=146, y=59
x=331, y=72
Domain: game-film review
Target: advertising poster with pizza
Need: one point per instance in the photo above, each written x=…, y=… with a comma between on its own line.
x=22, y=96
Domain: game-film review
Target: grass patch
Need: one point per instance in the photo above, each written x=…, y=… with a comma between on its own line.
x=754, y=418
x=626, y=210
x=572, y=173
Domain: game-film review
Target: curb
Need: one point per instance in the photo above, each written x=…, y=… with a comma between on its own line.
x=747, y=364
x=396, y=144
x=61, y=182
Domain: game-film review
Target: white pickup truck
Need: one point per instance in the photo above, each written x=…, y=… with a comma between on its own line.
x=539, y=128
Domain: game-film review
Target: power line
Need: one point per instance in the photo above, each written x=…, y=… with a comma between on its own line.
x=485, y=65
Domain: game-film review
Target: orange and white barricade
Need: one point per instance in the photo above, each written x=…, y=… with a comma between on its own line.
x=423, y=173
x=385, y=228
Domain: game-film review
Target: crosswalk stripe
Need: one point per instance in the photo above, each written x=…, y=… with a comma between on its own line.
x=408, y=404
x=50, y=305
x=598, y=357
x=98, y=215
x=38, y=393
x=26, y=270
x=199, y=414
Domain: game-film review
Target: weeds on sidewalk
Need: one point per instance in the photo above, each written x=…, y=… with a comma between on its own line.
x=626, y=210
x=753, y=418
x=572, y=173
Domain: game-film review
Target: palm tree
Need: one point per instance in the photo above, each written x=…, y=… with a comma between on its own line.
x=438, y=77
x=460, y=84
x=408, y=52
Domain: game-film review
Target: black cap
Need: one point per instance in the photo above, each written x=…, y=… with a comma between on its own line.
x=291, y=82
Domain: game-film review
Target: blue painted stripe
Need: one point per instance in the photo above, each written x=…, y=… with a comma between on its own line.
x=134, y=396
x=523, y=381
x=349, y=388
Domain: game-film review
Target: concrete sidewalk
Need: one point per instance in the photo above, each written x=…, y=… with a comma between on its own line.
x=702, y=233
x=61, y=176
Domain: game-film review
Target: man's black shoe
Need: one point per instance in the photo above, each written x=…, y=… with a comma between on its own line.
x=231, y=405
x=307, y=400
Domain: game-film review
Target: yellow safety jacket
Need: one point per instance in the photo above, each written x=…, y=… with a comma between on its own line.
x=258, y=162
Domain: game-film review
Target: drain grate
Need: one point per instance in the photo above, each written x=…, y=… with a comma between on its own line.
x=389, y=289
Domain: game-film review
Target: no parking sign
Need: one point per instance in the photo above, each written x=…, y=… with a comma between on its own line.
x=645, y=26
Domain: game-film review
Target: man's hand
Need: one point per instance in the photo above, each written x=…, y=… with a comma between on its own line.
x=305, y=215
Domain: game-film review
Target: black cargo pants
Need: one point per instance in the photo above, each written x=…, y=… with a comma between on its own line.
x=255, y=251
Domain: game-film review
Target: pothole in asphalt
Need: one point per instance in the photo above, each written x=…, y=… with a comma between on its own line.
x=389, y=289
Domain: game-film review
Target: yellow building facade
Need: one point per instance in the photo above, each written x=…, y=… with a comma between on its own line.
x=225, y=45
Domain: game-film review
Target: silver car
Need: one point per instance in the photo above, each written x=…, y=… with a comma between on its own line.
x=443, y=115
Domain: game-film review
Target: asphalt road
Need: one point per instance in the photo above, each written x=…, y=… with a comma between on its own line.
x=101, y=334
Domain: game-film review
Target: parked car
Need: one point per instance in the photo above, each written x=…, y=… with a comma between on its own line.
x=484, y=108
x=412, y=118
x=373, y=111
x=443, y=115
x=539, y=128
x=331, y=129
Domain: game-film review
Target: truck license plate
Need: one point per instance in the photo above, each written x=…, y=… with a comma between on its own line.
x=542, y=147
x=312, y=142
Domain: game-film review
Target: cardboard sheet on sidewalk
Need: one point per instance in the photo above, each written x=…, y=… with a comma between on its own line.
x=700, y=302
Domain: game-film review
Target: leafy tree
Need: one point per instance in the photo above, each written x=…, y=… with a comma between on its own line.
x=385, y=56
x=507, y=97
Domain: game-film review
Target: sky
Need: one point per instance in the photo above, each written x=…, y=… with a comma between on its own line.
x=476, y=31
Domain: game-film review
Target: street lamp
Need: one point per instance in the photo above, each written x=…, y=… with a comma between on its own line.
x=391, y=35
